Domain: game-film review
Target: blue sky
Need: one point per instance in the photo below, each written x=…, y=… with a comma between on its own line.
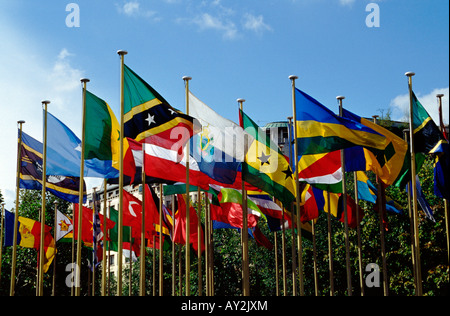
x=232, y=49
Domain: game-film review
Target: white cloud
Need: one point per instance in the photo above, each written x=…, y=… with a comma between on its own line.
x=400, y=105
x=208, y=21
x=347, y=2
x=255, y=23
x=134, y=9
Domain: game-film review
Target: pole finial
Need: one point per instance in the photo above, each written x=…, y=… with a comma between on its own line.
x=240, y=100
x=293, y=77
x=84, y=80
x=340, y=97
x=21, y=122
x=45, y=102
x=187, y=78
x=122, y=52
x=410, y=74
x=440, y=95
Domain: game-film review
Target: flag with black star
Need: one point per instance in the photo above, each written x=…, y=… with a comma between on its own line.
x=265, y=167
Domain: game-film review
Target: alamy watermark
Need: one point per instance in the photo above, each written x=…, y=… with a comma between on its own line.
x=73, y=18
x=373, y=18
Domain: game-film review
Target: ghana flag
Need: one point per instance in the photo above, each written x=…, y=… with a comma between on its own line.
x=265, y=167
x=149, y=118
x=321, y=131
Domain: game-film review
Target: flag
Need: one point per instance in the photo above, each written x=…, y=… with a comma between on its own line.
x=66, y=188
x=323, y=171
x=386, y=163
x=64, y=153
x=421, y=199
x=114, y=232
x=428, y=138
x=28, y=236
x=102, y=136
x=149, y=118
x=180, y=225
x=441, y=172
x=265, y=167
x=368, y=192
x=87, y=227
x=320, y=131
x=226, y=207
x=266, y=205
x=225, y=136
x=64, y=226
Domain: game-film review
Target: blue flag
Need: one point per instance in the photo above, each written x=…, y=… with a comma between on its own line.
x=64, y=154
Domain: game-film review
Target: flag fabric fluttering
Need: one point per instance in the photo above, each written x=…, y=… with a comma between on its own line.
x=149, y=118
x=28, y=236
x=179, y=235
x=64, y=154
x=428, y=139
x=64, y=226
x=66, y=188
x=265, y=167
x=386, y=163
x=421, y=199
x=320, y=131
x=88, y=224
x=441, y=172
x=368, y=192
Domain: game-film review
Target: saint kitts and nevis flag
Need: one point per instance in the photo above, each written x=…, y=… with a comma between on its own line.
x=149, y=118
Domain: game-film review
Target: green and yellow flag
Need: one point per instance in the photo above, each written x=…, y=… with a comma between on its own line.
x=265, y=167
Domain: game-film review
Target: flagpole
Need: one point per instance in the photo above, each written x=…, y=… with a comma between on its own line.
x=297, y=188
x=381, y=196
x=2, y=224
x=188, y=219
x=105, y=233
x=330, y=247
x=294, y=259
x=161, y=199
x=344, y=201
x=43, y=205
x=173, y=246
x=199, y=243
x=16, y=213
x=54, y=258
x=244, y=232
x=358, y=231
x=84, y=81
x=447, y=216
x=122, y=54
x=142, y=259
x=414, y=188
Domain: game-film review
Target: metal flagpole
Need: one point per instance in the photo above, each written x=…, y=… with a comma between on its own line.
x=199, y=242
x=244, y=231
x=80, y=194
x=381, y=197
x=54, y=258
x=358, y=231
x=2, y=220
x=105, y=233
x=298, y=197
x=344, y=202
x=188, y=220
x=447, y=216
x=161, y=254
x=122, y=54
x=16, y=212
x=44, y=184
x=330, y=247
x=414, y=189
x=294, y=259
x=142, y=259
